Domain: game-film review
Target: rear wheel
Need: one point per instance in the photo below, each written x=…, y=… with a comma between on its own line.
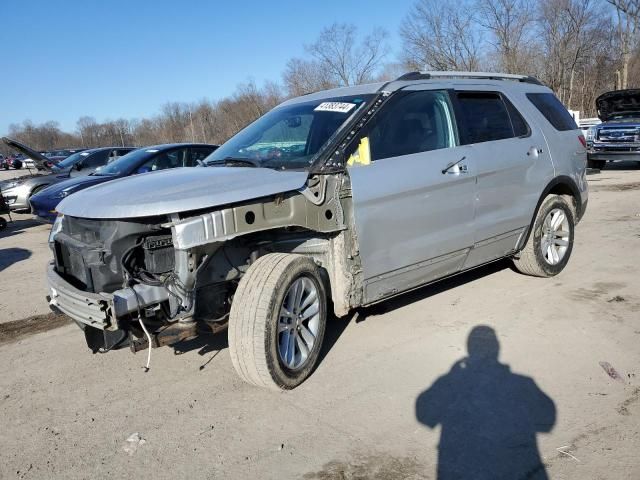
x=550, y=243
x=3, y=223
x=277, y=321
x=597, y=164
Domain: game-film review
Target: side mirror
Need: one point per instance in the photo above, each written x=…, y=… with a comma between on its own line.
x=78, y=166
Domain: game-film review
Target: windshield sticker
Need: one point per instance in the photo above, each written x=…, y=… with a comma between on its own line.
x=151, y=151
x=84, y=154
x=340, y=107
x=362, y=156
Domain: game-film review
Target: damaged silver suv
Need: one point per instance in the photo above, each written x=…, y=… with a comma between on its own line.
x=331, y=201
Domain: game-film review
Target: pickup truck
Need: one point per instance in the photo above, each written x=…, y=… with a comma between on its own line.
x=617, y=138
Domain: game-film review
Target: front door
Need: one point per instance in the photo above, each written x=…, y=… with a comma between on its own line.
x=413, y=194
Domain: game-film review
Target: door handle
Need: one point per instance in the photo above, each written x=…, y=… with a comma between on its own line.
x=462, y=167
x=534, y=152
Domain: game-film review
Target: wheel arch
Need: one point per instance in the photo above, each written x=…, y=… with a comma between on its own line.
x=561, y=185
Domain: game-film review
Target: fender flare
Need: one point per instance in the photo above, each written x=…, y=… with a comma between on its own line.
x=563, y=180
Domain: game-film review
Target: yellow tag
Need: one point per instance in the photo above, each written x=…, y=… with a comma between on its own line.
x=362, y=156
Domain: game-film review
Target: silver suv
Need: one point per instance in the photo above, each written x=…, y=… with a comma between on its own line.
x=331, y=201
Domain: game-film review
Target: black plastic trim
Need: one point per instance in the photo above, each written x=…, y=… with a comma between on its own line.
x=561, y=180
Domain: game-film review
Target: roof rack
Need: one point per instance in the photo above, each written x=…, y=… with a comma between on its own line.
x=478, y=75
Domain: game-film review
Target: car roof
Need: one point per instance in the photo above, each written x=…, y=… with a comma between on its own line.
x=167, y=146
x=500, y=81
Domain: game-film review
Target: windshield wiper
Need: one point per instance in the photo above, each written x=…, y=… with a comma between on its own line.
x=233, y=161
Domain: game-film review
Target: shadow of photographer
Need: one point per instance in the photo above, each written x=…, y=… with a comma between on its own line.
x=489, y=416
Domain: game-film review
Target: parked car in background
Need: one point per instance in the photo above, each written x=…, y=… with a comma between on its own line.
x=337, y=199
x=143, y=160
x=18, y=191
x=617, y=138
x=64, y=152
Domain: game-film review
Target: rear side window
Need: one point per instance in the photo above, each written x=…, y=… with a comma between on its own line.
x=553, y=111
x=520, y=127
x=485, y=117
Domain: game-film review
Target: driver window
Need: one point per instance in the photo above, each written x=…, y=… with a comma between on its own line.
x=412, y=122
x=165, y=160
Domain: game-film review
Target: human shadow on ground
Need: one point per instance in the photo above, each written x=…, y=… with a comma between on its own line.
x=489, y=416
x=9, y=256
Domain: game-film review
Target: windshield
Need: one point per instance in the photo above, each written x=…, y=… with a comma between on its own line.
x=290, y=137
x=126, y=163
x=71, y=160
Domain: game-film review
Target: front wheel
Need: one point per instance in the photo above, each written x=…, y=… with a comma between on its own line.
x=277, y=321
x=550, y=243
x=597, y=164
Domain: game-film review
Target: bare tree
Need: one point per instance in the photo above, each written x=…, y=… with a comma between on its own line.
x=305, y=76
x=572, y=34
x=440, y=35
x=347, y=60
x=510, y=25
x=628, y=15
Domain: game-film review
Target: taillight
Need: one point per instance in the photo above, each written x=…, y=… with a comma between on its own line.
x=582, y=140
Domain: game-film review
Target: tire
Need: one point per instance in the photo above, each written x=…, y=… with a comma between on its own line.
x=3, y=223
x=255, y=321
x=533, y=259
x=597, y=164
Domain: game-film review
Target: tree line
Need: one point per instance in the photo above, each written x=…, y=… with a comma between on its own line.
x=579, y=48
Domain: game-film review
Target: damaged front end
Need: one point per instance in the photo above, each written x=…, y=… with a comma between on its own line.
x=164, y=279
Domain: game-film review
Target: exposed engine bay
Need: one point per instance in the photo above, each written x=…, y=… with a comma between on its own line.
x=160, y=280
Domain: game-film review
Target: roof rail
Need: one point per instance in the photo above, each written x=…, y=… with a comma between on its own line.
x=479, y=75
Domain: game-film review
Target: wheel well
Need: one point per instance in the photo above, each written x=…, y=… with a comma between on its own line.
x=564, y=186
x=565, y=190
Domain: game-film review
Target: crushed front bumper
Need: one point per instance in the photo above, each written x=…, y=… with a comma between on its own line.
x=100, y=310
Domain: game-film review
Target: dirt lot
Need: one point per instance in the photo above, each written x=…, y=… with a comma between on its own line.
x=389, y=385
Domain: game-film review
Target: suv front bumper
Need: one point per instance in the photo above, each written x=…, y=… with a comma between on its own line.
x=100, y=310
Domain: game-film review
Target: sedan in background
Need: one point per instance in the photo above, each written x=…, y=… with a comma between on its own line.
x=150, y=159
x=17, y=191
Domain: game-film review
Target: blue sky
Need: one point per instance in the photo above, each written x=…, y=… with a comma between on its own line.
x=116, y=58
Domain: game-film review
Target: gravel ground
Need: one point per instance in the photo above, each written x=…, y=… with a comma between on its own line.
x=391, y=387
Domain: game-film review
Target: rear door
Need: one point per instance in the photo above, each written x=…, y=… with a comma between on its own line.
x=511, y=159
x=413, y=192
